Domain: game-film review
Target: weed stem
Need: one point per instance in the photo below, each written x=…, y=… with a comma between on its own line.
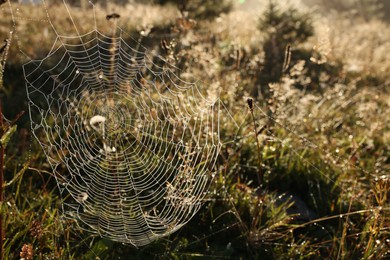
x=260, y=172
x=1, y=184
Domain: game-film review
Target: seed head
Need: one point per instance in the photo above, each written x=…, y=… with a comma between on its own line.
x=250, y=103
x=36, y=229
x=27, y=252
x=113, y=16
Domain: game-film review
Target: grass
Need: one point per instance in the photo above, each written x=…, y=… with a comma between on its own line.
x=320, y=132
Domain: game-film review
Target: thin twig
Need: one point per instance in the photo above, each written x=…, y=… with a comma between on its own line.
x=1, y=183
x=287, y=58
x=260, y=172
x=16, y=177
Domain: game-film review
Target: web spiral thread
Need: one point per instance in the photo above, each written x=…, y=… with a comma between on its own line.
x=139, y=144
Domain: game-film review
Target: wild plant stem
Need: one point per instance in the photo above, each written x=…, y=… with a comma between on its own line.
x=260, y=172
x=1, y=186
x=1, y=200
x=257, y=210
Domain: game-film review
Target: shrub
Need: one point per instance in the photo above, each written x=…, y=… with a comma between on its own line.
x=283, y=27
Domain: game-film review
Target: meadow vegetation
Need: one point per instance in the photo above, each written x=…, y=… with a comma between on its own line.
x=307, y=87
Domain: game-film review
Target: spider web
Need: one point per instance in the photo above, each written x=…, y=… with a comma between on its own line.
x=139, y=143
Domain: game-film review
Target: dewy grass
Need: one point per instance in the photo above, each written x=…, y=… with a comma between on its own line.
x=325, y=157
